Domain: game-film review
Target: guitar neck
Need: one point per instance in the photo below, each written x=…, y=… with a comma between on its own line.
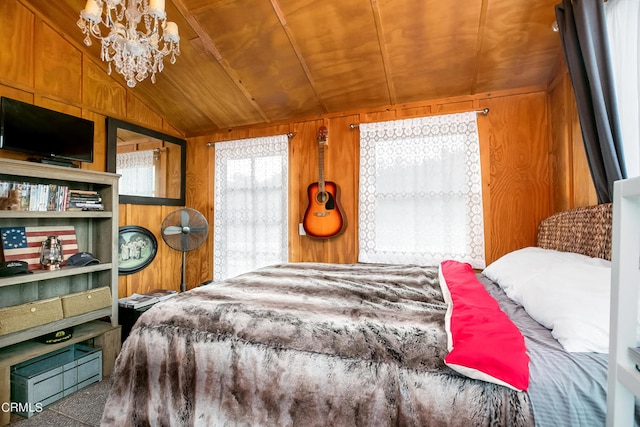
x=322, y=142
x=321, y=167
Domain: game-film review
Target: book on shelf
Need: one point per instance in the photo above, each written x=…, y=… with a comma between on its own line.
x=87, y=193
x=84, y=200
x=74, y=197
x=137, y=301
x=31, y=196
x=81, y=206
x=4, y=188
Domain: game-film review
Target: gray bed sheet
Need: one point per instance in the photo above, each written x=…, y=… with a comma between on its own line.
x=566, y=389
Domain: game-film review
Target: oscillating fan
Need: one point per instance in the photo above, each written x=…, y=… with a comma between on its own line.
x=184, y=230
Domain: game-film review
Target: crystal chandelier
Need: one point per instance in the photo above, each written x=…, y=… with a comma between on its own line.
x=135, y=52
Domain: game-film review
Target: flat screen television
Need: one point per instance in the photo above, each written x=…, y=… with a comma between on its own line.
x=52, y=136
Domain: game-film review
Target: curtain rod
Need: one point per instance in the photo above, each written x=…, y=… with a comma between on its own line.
x=289, y=135
x=483, y=111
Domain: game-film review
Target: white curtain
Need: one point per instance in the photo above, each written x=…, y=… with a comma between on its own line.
x=251, y=209
x=623, y=20
x=420, y=191
x=138, y=173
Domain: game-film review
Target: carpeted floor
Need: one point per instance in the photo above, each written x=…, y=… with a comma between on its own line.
x=83, y=408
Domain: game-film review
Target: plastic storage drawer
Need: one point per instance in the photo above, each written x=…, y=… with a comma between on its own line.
x=43, y=380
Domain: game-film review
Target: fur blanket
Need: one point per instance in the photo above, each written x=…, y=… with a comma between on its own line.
x=303, y=345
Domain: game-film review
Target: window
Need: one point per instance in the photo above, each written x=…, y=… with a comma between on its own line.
x=623, y=19
x=251, y=209
x=420, y=191
x=138, y=172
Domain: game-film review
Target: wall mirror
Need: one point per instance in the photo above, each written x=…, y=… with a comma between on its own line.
x=152, y=164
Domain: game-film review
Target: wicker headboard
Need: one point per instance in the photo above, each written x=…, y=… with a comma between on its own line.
x=585, y=231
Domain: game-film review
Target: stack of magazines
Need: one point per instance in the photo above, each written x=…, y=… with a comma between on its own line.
x=84, y=200
x=143, y=300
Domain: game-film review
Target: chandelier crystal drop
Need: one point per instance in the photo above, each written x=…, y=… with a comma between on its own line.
x=139, y=36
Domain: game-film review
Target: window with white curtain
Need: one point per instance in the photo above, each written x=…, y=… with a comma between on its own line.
x=623, y=21
x=421, y=192
x=138, y=172
x=251, y=209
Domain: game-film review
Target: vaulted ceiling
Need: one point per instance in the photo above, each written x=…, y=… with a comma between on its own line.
x=247, y=62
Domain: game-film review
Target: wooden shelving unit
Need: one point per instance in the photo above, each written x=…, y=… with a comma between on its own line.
x=623, y=377
x=97, y=233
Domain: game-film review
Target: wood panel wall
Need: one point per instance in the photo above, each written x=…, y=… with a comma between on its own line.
x=532, y=163
x=571, y=179
x=515, y=156
x=39, y=65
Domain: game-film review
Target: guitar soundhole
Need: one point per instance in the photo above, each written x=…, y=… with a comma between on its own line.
x=322, y=197
x=326, y=199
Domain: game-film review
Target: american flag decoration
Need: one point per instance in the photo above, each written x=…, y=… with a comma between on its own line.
x=25, y=243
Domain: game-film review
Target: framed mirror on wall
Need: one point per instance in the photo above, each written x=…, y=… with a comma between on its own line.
x=152, y=164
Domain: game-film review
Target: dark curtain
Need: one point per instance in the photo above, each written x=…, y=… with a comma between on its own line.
x=582, y=28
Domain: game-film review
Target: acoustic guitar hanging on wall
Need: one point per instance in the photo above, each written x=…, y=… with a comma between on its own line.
x=322, y=218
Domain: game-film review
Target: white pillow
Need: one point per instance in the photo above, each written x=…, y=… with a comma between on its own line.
x=566, y=292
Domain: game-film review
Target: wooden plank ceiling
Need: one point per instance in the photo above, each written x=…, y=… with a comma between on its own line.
x=247, y=62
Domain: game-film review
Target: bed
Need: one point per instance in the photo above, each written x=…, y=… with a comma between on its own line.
x=308, y=344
